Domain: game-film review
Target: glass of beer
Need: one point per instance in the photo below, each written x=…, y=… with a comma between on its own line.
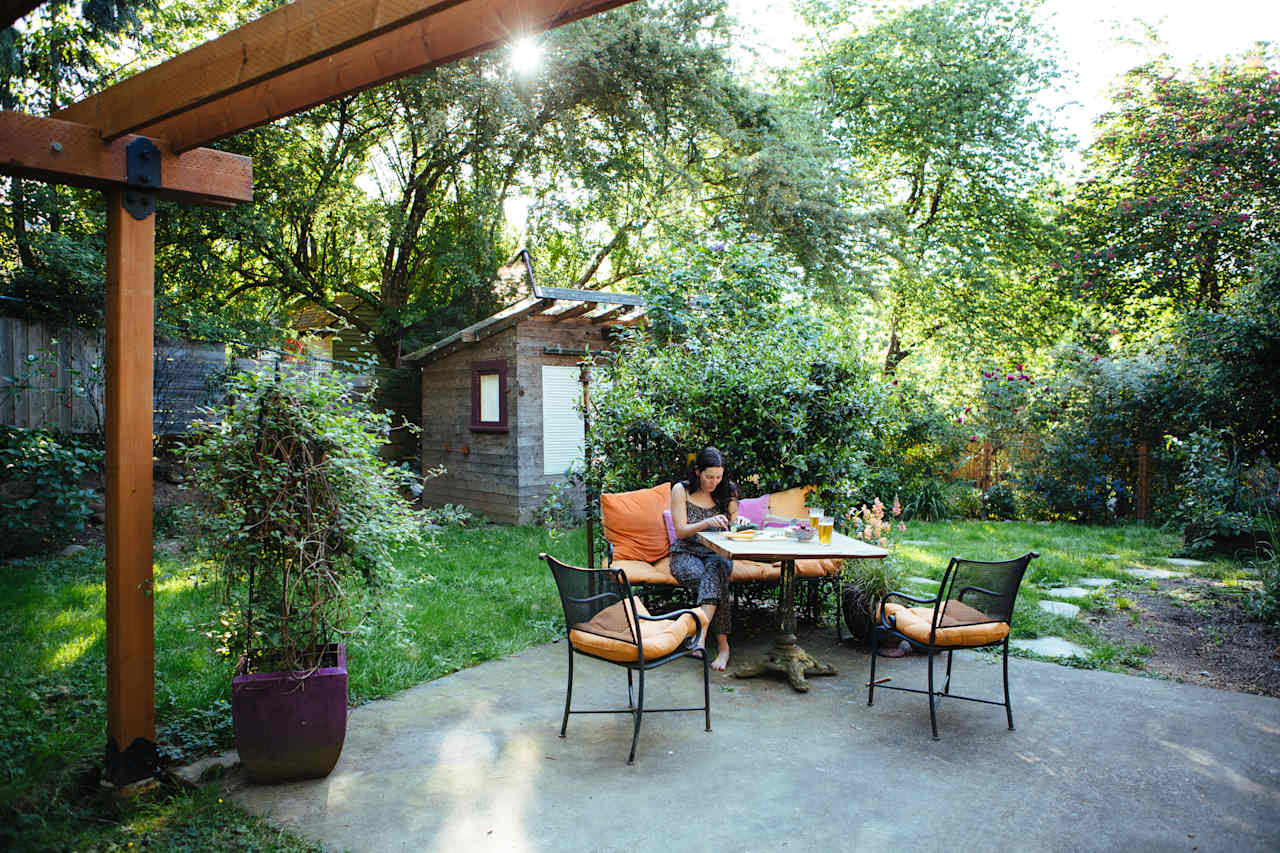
x=825, y=526
x=815, y=516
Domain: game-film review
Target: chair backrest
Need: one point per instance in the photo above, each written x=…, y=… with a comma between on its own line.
x=974, y=592
x=598, y=601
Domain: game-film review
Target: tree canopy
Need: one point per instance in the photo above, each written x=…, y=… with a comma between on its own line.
x=1182, y=186
x=932, y=108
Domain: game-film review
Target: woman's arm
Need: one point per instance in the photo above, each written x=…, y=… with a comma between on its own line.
x=680, y=516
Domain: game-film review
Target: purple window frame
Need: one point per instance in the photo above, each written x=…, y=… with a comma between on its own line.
x=489, y=368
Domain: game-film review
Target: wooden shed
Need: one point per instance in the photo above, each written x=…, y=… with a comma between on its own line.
x=500, y=400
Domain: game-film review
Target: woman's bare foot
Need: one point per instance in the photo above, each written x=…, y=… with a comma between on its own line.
x=722, y=659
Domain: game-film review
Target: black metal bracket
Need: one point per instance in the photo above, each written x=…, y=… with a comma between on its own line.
x=142, y=174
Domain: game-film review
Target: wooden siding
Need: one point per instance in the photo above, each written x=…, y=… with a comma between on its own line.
x=56, y=366
x=480, y=467
x=502, y=475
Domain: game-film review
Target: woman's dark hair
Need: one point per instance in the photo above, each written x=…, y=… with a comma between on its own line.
x=712, y=458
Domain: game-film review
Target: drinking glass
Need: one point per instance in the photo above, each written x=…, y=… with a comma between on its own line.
x=815, y=516
x=825, y=526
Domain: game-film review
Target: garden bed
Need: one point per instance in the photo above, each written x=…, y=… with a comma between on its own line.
x=1197, y=630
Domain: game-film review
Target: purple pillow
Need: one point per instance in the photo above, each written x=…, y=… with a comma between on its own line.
x=754, y=509
x=671, y=528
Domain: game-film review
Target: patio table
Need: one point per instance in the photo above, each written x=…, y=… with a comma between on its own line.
x=787, y=657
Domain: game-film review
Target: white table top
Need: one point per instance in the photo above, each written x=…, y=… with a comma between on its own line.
x=770, y=550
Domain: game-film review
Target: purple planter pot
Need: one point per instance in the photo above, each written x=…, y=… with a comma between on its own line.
x=289, y=729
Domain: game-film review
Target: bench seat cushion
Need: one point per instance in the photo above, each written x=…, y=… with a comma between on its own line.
x=961, y=625
x=608, y=634
x=639, y=571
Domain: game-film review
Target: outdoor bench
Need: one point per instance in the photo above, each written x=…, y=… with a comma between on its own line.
x=638, y=539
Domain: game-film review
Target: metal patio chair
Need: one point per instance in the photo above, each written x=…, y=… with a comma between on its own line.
x=972, y=610
x=604, y=620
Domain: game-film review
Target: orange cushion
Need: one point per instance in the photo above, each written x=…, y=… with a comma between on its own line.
x=638, y=571
x=826, y=567
x=790, y=504
x=614, y=643
x=750, y=570
x=957, y=627
x=633, y=523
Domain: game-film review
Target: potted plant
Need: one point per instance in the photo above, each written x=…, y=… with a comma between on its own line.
x=301, y=517
x=867, y=582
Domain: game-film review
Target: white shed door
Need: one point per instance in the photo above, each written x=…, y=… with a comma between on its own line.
x=562, y=433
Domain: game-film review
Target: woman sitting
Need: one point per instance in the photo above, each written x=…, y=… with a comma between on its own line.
x=705, y=500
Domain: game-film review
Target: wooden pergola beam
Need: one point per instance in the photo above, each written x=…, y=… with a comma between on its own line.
x=46, y=149
x=306, y=53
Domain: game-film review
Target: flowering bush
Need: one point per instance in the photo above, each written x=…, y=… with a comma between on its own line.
x=869, y=524
x=866, y=582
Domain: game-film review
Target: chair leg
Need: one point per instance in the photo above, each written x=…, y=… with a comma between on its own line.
x=875, y=652
x=1008, y=709
x=946, y=684
x=631, y=701
x=706, y=687
x=639, y=715
x=568, y=691
x=933, y=713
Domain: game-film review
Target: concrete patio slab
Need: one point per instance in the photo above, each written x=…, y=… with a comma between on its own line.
x=1099, y=761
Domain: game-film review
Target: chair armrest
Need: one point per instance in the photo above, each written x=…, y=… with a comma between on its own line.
x=906, y=597
x=960, y=595
x=694, y=612
x=891, y=622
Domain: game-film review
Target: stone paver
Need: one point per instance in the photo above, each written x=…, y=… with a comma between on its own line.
x=1110, y=556
x=1069, y=592
x=919, y=542
x=1097, y=582
x=1060, y=608
x=1154, y=574
x=916, y=579
x=1184, y=561
x=1052, y=647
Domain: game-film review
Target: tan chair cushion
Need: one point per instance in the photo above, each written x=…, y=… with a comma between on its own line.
x=957, y=627
x=613, y=640
x=750, y=570
x=790, y=504
x=827, y=567
x=633, y=523
x=638, y=571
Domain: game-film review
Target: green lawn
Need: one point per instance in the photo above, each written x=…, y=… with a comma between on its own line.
x=481, y=594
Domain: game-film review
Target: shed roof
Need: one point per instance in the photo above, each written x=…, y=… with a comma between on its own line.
x=597, y=306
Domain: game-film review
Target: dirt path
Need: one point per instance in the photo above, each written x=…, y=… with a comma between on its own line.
x=1198, y=631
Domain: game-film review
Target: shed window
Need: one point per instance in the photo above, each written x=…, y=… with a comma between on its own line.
x=489, y=396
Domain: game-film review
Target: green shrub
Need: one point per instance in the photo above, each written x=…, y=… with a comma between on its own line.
x=728, y=363
x=1224, y=496
x=300, y=513
x=967, y=502
x=999, y=502
x=41, y=503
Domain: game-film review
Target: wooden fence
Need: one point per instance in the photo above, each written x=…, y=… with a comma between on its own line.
x=54, y=378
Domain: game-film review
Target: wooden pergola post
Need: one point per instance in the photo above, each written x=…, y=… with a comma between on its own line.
x=131, y=711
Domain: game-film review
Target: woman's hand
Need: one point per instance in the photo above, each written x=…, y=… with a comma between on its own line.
x=717, y=522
